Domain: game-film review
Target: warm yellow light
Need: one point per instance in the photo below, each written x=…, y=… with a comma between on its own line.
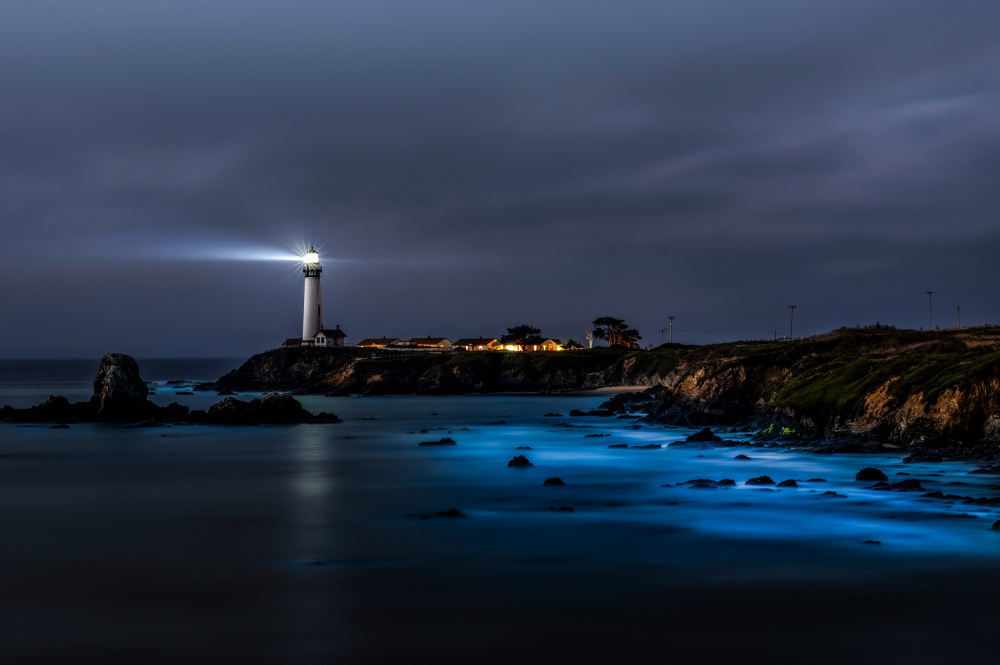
x=312, y=256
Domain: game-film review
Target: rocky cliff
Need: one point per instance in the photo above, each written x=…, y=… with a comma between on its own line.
x=878, y=383
x=358, y=371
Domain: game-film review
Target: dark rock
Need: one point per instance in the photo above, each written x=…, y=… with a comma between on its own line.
x=523, y=448
x=933, y=495
x=871, y=542
x=576, y=413
x=323, y=418
x=648, y=446
x=759, y=480
x=594, y=436
x=498, y=422
x=870, y=473
x=704, y=436
x=742, y=458
x=443, y=442
x=816, y=480
x=618, y=445
x=562, y=509
x=554, y=415
x=788, y=483
x=833, y=495
x=454, y=512
x=908, y=484
x=726, y=481
x=119, y=392
x=553, y=481
x=996, y=526
x=185, y=392
x=519, y=460
x=881, y=485
x=599, y=413
x=274, y=408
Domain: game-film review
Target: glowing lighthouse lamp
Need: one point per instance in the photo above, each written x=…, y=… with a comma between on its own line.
x=313, y=333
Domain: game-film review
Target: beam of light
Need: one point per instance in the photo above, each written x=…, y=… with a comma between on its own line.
x=223, y=251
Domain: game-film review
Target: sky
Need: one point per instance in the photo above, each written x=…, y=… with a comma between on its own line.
x=465, y=167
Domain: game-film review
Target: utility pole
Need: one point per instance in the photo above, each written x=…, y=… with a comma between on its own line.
x=671, y=328
x=930, y=296
x=791, y=320
x=662, y=330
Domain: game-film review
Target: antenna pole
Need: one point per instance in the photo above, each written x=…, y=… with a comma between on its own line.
x=671, y=328
x=930, y=296
x=791, y=320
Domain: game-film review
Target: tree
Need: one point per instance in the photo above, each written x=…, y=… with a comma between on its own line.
x=523, y=335
x=615, y=331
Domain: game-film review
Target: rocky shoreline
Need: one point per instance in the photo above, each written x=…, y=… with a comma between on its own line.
x=120, y=395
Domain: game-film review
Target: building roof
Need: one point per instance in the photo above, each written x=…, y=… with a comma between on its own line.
x=428, y=340
x=371, y=341
x=475, y=341
x=335, y=332
x=292, y=341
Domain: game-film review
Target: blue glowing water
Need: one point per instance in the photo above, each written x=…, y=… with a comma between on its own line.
x=343, y=501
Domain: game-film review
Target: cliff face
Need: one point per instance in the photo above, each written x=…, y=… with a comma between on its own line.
x=879, y=383
x=897, y=386
x=358, y=371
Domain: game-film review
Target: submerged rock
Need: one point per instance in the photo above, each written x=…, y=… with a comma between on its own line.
x=519, y=460
x=274, y=408
x=553, y=481
x=759, y=480
x=448, y=514
x=788, y=483
x=704, y=436
x=446, y=441
x=870, y=473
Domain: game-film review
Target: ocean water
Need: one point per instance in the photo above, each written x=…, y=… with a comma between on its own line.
x=305, y=543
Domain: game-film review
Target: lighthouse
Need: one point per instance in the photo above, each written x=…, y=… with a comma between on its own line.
x=312, y=305
x=313, y=333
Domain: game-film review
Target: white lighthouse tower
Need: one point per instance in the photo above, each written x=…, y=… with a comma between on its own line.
x=312, y=308
x=313, y=332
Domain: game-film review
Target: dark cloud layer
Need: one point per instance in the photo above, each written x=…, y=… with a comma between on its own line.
x=473, y=166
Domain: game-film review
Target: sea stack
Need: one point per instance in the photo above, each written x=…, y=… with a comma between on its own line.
x=119, y=392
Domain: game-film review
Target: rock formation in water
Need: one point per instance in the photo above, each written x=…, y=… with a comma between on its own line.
x=119, y=392
x=120, y=395
x=271, y=409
